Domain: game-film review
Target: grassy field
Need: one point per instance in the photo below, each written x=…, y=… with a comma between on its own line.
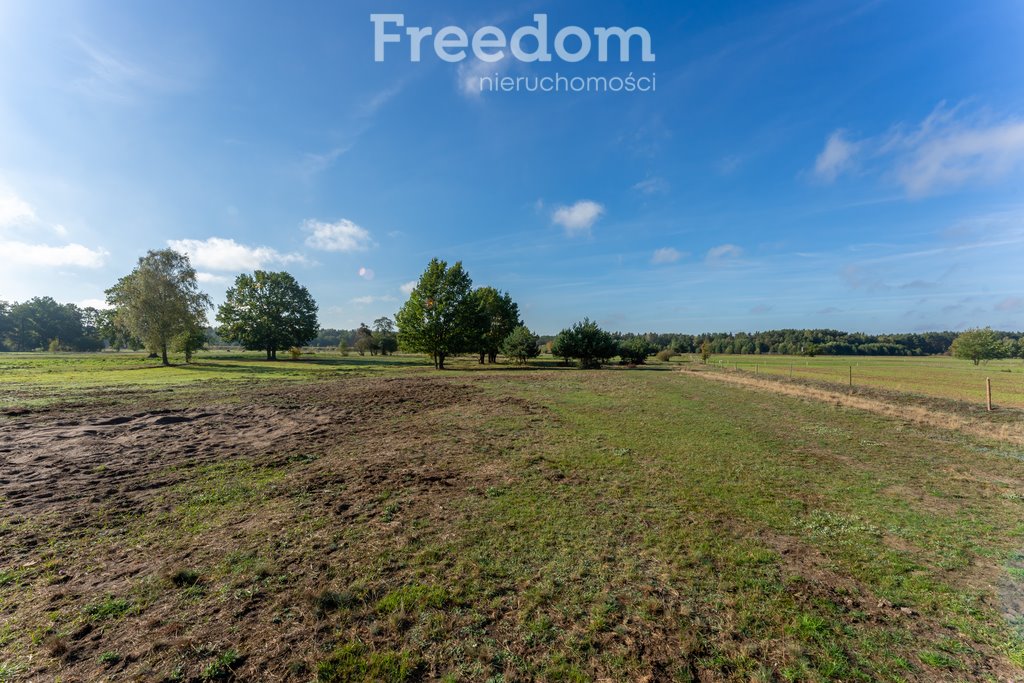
x=938, y=376
x=374, y=520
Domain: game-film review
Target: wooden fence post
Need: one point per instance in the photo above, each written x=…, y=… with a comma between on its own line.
x=988, y=392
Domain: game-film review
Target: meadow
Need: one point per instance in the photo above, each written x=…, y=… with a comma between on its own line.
x=938, y=376
x=346, y=518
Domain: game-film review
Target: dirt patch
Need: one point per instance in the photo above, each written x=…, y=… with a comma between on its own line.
x=155, y=544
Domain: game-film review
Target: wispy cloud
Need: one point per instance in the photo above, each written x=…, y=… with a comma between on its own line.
x=836, y=158
x=368, y=300
x=14, y=253
x=341, y=236
x=723, y=253
x=471, y=71
x=98, y=304
x=666, y=255
x=220, y=254
x=372, y=104
x=112, y=76
x=1011, y=304
x=408, y=287
x=949, y=149
x=14, y=210
x=21, y=225
x=652, y=186
x=212, y=279
x=316, y=163
x=728, y=165
x=578, y=218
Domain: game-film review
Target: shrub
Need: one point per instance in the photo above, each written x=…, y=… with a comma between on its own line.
x=587, y=343
x=296, y=352
x=665, y=355
x=635, y=350
x=520, y=344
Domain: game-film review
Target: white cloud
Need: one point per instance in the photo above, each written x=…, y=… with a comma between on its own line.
x=470, y=72
x=724, y=252
x=343, y=236
x=220, y=254
x=14, y=210
x=367, y=273
x=408, y=287
x=666, y=255
x=313, y=164
x=371, y=105
x=578, y=218
x=210, y=278
x=945, y=151
x=98, y=304
x=367, y=300
x=652, y=186
x=13, y=253
x=836, y=157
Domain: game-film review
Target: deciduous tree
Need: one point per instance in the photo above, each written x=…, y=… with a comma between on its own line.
x=268, y=312
x=980, y=346
x=438, y=318
x=496, y=316
x=159, y=300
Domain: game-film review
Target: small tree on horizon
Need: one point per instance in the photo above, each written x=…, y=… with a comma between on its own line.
x=384, y=333
x=980, y=345
x=635, y=350
x=496, y=317
x=268, y=312
x=587, y=343
x=520, y=345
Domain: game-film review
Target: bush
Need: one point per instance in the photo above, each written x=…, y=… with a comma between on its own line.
x=520, y=344
x=587, y=343
x=635, y=350
x=296, y=352
x=665, y=355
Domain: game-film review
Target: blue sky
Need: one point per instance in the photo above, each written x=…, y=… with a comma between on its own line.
x=856, y=165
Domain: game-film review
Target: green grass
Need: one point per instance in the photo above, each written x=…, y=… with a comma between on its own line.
x=353, y=663
x=938, y=376
x=33, y=379
x=594, y=525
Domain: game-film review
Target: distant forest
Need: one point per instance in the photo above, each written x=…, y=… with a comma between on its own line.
x=42, y=323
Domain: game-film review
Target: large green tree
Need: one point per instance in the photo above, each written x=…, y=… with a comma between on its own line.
x=439, y=317
x=268, y=312
x=159, y=300
x=496, y=316
x=980, y=345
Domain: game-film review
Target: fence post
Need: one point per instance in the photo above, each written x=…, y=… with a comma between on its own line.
x=851, y=375
x=988, y=392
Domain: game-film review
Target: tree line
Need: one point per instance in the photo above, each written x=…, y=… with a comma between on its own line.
x=825, y=342
x=159, y=306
